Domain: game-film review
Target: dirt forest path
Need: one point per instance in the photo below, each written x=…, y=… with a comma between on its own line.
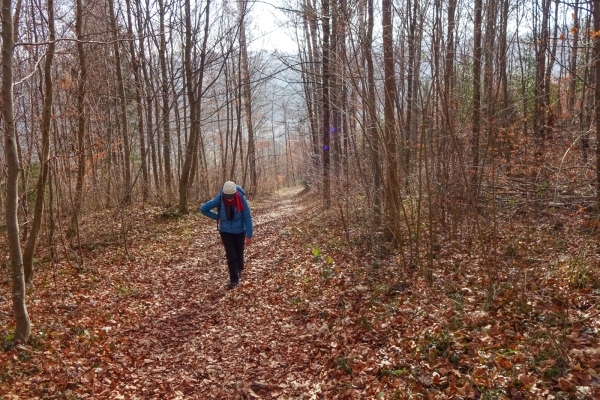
x=189, y=337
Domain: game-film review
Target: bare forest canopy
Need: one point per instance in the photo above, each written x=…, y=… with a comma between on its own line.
x=163, y=101
x=418, y=123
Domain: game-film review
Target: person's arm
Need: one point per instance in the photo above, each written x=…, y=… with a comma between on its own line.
x=207, y=208
x=247, y=218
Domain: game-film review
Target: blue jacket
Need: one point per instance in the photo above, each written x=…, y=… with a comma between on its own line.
x=241, y=222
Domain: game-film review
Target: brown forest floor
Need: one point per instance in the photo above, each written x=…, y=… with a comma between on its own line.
x=315, y=318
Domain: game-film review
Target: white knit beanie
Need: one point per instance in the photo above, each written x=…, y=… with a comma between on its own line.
x=229, y=188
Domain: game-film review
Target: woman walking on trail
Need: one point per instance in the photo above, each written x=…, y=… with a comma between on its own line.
x=234, y=222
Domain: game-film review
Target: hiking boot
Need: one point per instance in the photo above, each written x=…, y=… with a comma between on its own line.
x=232, y=285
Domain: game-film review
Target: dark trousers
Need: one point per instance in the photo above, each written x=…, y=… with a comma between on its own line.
x=234, y=251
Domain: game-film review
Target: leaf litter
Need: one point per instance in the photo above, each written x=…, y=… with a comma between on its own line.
x=314, y=318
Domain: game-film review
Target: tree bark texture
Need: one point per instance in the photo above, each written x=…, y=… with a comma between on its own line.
x=123, y=103
x=44, y=156
x=251, y=158
x=138, y=99
x=23, y=323
x=476, y=118
x=194, y=88
x=81, y=116
x=573, y=60
x=596, y=5
x=542, y=39
x=373, y=134
x=326, y=107
x=166, y=112
x=389, y=127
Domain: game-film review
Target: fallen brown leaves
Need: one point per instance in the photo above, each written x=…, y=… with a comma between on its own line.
x=314, y=318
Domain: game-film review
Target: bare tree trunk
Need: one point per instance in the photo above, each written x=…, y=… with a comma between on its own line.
x=24, y=166
x=410, y=85
x=523, y=88
x=81, y=117
x=372, y=120
x=158, y=139
x=45, y=129
x=597, y=96
x=476, y=118
x=223, y=141
x=23, y=324
x=448, y=97
x=247, y=98
x=503, y=54
x=123, y=100
x=335, y=91
x=51, y=217
x=326, y=106
x=584, y=123
x=24, y=170
x=178, y=129
x=318, y=85
x=343, y=130
x=162, y=55
x=138, y=99
x=17, y=19
x=309, y=78
x=150, y=98
x=108, y=169
x=152, y=141
x=489, y=87
x=573, y=61
x=540, y=127
x=238, y=119
x=239, y=137
x=548, y=75
x=194, y=94
x=176, y=92
x=389, y=127
x=489, y=50
x=205, y=183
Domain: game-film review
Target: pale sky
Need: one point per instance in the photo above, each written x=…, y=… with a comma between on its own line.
x=269, y=28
